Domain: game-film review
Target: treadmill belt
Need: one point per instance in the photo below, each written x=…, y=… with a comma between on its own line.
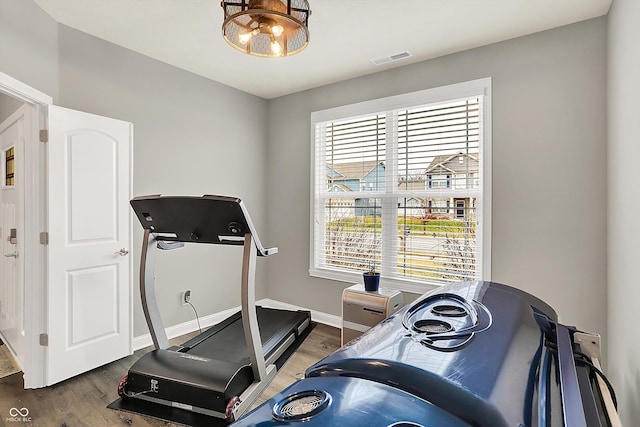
x=229, y=344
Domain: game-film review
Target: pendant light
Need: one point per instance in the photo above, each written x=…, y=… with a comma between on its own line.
x=269, y=28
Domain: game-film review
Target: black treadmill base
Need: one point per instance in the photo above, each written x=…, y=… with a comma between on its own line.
x=188, y=418
x=166, y=413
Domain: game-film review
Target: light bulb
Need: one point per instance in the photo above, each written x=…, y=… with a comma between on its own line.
x=245, y=37
x=276, y=48
x=277, y=30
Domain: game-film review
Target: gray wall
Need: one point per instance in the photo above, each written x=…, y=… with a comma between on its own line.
x=192, y=136
x=549, y=173
x=29, y=45
x=623, y=179
x=8, y=105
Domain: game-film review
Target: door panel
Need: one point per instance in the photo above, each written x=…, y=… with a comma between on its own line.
x=93, y=294
x=98, y=220
x=89, y=280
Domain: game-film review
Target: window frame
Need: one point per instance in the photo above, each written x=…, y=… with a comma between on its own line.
x=480, y=88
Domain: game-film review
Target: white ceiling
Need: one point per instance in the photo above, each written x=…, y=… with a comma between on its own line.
x=345, y=34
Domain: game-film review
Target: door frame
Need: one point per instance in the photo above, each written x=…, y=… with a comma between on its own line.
x=35, y=222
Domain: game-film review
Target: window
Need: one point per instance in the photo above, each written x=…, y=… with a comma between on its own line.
x=9, y=167
x=387, y=175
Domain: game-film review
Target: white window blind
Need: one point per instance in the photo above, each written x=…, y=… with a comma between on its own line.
x=401, y=190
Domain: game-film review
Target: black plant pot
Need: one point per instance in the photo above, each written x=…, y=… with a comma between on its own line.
x=371, y=281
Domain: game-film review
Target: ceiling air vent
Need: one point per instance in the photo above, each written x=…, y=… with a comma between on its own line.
x=392, y=58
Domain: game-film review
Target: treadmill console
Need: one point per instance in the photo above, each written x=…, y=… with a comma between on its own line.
x=209, y=219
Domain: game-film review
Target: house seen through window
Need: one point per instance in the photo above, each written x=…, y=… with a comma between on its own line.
x=399, y=189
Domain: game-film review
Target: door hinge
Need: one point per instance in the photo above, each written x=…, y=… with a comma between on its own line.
x=44, y=238
x=44, y=135
x=44, y=340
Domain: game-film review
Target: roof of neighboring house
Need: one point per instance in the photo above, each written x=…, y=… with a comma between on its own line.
x=340, y=187
x=451, y=163
x=354, y=170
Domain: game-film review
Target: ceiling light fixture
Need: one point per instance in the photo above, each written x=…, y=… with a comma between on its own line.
x=268, y=28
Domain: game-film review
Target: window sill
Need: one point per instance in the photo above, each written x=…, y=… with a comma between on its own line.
x=386, y=282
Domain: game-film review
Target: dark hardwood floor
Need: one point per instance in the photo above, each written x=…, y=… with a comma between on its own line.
x=83, y=400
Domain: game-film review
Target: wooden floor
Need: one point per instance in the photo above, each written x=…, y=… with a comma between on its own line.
x=82, y=401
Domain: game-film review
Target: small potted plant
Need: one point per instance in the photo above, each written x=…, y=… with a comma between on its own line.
x=371, y=278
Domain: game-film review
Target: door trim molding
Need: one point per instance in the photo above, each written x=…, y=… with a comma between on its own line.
x=24, y=92
x=34, y=222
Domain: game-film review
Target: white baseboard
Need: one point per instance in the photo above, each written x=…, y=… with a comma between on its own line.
x=143, y=341
x=316, y=316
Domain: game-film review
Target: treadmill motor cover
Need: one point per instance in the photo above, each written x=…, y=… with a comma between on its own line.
x=181, y=377
x=468, y=354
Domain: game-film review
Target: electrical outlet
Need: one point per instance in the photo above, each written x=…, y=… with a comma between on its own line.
x=185, y=297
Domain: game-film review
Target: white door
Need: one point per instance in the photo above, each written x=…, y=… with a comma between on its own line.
x=12, y=140
x=89, y=176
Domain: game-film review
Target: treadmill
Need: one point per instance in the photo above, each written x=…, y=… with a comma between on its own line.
x=216, y=376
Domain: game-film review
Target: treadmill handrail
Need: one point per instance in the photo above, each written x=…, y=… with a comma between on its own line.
x=148, y=293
